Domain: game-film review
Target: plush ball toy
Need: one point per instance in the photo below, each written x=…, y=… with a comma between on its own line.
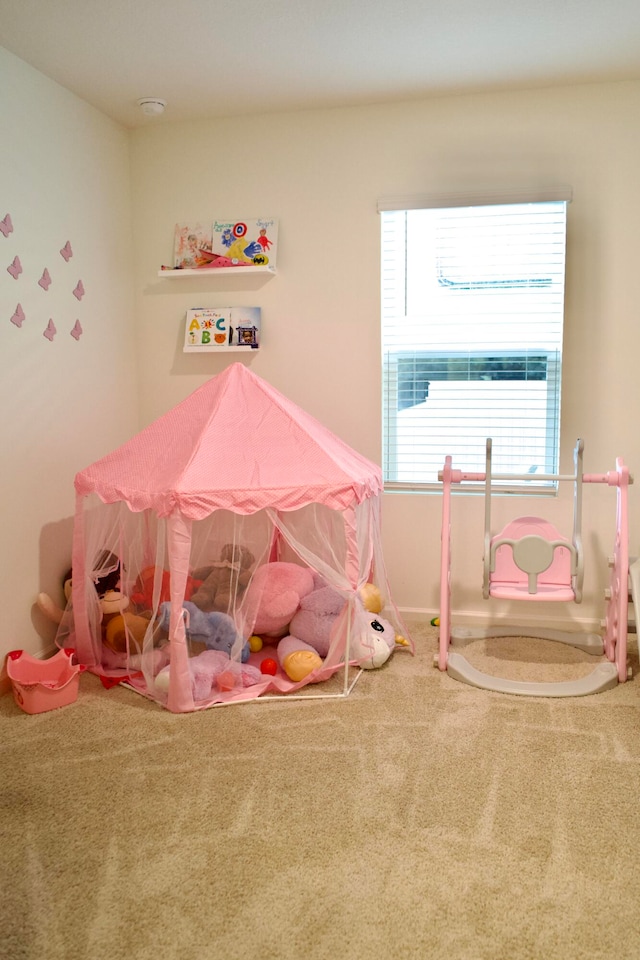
x=215, y=629
x=274, y=595
x=225, y=581
x=212, y=669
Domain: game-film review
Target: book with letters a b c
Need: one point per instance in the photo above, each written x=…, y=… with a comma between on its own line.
x=216, y=329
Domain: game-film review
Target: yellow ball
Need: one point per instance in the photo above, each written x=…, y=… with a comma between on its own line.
x=255, y=644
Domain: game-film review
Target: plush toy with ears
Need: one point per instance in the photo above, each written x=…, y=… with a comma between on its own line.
x=110, y=581
x=121, y=629
x=215, y=629
x=225, y=581
x=311, y=633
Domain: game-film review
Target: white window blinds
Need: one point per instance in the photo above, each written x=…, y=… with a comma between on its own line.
x=472, y=318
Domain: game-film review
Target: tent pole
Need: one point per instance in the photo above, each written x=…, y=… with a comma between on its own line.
x=347, y=650
x=179, y=542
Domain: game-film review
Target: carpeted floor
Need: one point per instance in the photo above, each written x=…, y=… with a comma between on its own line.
x=419, y=818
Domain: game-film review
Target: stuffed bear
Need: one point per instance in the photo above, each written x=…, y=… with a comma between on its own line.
x=225, y=581
x=215, y=629
x=274, y=595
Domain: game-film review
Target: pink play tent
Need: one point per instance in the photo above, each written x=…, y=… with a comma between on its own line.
x=234, y=478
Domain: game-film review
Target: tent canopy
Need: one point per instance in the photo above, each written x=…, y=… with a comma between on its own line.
x=235, y=443
x=234, y=464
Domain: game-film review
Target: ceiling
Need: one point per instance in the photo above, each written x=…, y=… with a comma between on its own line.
x=218, y=58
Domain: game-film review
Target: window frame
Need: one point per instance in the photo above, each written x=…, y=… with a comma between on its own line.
x=536, y=487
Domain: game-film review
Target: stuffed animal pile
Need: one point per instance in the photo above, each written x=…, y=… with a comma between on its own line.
x=291, y=606
x=284, y=604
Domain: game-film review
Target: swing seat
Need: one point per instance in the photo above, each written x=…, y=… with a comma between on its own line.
x=531, y=560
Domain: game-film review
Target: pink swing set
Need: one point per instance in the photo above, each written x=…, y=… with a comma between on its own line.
x=530, y=560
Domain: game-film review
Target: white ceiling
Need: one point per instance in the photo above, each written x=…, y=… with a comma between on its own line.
x=211, y=58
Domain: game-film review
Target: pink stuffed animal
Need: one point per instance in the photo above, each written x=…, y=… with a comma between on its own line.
x=274, y=595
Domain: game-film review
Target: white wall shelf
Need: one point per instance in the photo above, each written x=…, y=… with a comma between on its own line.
x=222, y=348
x=215, y=271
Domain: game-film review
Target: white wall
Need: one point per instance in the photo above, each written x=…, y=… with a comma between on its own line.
x=321, y=173
x=64, y=175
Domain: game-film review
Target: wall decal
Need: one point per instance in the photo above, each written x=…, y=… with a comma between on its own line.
x=15, y=269
x=79, y=290
x=51, y=331
x=45, y=279
x=66, y=251
x=77, y=331
x=18, y=316
x=6, y=227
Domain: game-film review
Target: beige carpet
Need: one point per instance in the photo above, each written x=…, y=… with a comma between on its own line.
x=419, y=818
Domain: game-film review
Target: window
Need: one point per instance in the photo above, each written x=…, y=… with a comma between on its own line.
x=472, y=317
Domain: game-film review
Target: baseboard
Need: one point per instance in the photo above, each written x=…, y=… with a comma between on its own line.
x=482, y=618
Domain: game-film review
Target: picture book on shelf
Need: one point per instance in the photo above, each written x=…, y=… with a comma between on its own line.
x=211, y=329
x=192, y=241
x=243, y=243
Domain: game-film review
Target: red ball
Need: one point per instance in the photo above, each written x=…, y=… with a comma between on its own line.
x=226, y=680
x=269, y=666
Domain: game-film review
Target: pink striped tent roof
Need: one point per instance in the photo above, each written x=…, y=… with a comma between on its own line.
x=235, y=443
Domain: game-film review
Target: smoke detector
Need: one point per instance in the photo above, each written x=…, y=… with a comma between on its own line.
x=152, y=106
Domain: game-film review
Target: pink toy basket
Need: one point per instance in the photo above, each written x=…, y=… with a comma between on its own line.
x=40, y=685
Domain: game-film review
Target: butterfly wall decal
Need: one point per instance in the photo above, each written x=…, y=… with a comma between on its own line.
x=50, y=331
x=66, y=251
x=79, y=290
x=18, y=316
x=45, y=279
x=77, y=331
x=15, y=269
x=6, y=226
